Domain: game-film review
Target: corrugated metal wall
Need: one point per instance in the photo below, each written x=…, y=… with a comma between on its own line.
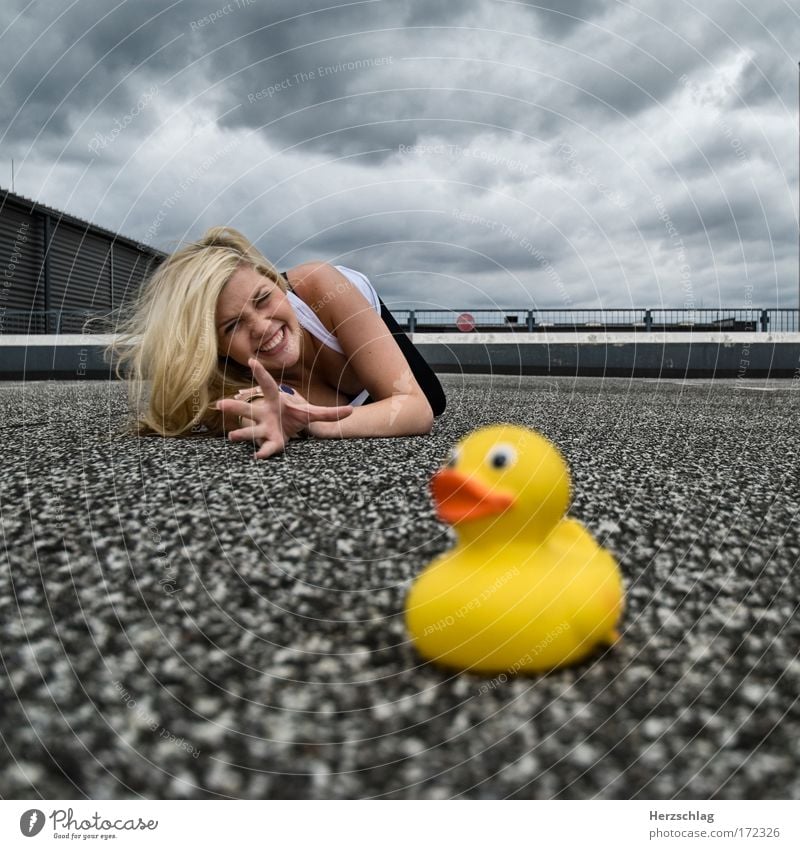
x=85, y=267
x=80, y=270
x=20, y=260
x=131, y=268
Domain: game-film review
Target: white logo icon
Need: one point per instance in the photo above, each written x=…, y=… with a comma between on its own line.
x=31, y=822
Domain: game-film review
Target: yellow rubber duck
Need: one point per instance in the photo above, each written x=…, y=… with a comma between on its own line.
x=525, y=589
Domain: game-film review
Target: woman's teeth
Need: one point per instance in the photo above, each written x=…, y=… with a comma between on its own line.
x=274, y=342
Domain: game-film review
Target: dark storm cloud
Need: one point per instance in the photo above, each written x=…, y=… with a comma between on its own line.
x=342, y=78
x=644, y=54
x=765, y=79
x=456, y=150
x=558, y=19
x=618, y=76
x=61, y=65
x=424, y=13
x=374, y=82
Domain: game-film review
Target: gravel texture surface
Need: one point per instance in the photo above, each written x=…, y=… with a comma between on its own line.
x=179, y=621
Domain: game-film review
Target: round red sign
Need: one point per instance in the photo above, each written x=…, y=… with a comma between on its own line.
x=465, y=322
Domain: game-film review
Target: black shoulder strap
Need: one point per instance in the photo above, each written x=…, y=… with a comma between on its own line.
x=286, y=278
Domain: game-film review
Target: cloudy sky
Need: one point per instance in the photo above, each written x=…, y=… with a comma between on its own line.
x=460, y=153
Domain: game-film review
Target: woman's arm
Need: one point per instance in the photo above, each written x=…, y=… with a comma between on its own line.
x=400, y=407
x=400, y=415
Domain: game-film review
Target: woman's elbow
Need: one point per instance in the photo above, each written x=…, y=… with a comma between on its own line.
x=421, y=423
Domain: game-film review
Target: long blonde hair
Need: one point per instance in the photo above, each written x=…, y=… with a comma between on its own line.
x=169, y=340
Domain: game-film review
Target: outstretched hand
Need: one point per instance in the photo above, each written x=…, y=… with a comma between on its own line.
x=277, y=417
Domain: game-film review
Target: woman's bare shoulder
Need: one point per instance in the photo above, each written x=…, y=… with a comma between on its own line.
x=311, y=279
x=318, y=284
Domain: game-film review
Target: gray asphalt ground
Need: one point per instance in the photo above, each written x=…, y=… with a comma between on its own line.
x=177, y=621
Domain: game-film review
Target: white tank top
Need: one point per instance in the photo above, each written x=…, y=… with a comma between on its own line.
x=309, y=320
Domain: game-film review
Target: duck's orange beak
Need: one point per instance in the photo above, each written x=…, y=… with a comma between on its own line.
x=460, y=498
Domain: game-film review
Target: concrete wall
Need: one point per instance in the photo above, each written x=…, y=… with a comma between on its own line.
x=64, y=357
x=616, y=355
x=72, y=357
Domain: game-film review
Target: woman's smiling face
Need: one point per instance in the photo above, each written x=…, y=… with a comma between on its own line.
x=255, y=319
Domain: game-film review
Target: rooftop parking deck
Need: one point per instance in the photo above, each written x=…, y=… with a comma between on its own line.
x=177, y=621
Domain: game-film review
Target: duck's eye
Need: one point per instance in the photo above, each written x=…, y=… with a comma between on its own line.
x=502, y=456
x=452, y=458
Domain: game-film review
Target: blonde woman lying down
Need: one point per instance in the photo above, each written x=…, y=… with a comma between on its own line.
x=230, y=346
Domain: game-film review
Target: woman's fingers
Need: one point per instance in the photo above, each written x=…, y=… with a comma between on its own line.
x=316, y=413
x=276, y=419
x=265, y=380
x=268, y=448
x=245, y=434
x=236, y=408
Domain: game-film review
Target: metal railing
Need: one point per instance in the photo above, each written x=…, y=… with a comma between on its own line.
x=783, y=320
x=734, y=319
